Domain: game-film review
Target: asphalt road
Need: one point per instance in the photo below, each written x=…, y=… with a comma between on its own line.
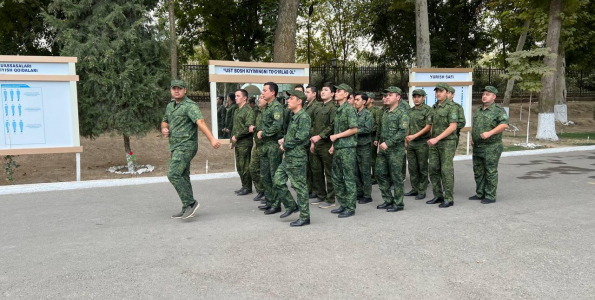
x=536, y=242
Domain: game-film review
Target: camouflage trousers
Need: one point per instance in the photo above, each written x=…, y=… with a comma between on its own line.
x=417, y=155
x=270, y=159
x=373, y=155
x=442, y=173
x=294, y=170
x=322, y=164
x=309, y=171
x=363, y=171
x=485, y=169
x=344, y=177
x=389, y=168
x=179, y=174
x=255, y=169
x=243, y=165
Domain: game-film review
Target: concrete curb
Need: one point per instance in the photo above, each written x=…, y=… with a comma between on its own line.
x=74, y=185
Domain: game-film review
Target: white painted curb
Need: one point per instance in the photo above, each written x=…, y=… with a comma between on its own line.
x=74, y=185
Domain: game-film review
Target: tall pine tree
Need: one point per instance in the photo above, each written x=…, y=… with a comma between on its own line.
x=123, y=64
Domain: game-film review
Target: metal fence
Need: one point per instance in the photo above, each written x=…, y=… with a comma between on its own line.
x=374, y=78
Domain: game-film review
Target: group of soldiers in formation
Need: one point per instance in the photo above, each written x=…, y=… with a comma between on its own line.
x=333, y=144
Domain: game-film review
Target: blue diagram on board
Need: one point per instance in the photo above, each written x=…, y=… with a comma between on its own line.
x=6, y=109
x=21, y=125
x=12, y=107
x=5, y=95
x=18, y=95
x=7, y=127
x=20, y=109
x=11, y=95
x=14, y=126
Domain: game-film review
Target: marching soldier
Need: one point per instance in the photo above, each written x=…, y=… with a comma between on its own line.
x=241, y=140
x=365, y=125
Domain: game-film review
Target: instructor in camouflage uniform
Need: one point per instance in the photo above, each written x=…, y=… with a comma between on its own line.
x=489, y=122
x=180, y=123
x=442, y=148
x=295, y=161
x=420, y=123
x=389, y=164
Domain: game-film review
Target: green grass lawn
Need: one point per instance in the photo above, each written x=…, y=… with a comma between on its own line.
x=519, y=148
x=577, y=135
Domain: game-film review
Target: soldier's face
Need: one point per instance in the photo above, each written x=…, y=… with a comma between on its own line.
x=440, y=94
x=178, y=92
x=240, y=98
x=326, y=94
x=261, y=102
x=267, y=93
x=450, y=95
x=351, y=100
x=293, y=102
x=418, y=100
x=393, y=98
x=488, y=98
x=340, y=95
x=310, y=96
x=359, y=103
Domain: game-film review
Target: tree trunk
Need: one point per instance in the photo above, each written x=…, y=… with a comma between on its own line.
x=284, y=49
x=510, y=84
x=174, y=41
x=560, y=108
x=129, y=162
x=546, y=121
x=422, y=30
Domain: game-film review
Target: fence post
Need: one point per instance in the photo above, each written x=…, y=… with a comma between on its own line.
x=490, y=75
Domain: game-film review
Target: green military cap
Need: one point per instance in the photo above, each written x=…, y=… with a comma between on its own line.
x=296, y=93
x=345, y=87
x=392, y=89
x=371, y=95
x=419, y=92
x=490, y=89
x=441, y=86
x=451, y=89
x=178, y=83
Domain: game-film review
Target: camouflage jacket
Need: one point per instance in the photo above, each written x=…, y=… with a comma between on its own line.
x=298, y=136
x=345, y=118
x=486, y=120
x=272, y=122
x=257, y=125
x=394, y=127
x=365, y=124
x=242, y=120
x=182, y=117
x=323, y=122
x=444, y=115
x=229, y=116
x=418, y=119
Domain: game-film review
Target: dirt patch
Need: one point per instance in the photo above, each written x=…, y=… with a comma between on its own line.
x=107, y=150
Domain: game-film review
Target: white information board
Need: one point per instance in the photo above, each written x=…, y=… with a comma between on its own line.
x=39, y=109
x=461, y=79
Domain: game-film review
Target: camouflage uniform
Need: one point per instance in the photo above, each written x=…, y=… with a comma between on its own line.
x=418, y=149
x=443, y=153
x=377, y=114
x=221, y=111
x=242, y=120
x=295, y=163
x=404, y=104
x=255, y=158
x=270, y=154
x=393, y=130
x=229, y=118
x=311, y=110
x=486, y=153
x=322, y=161
x=343, y=172
x=365, y=124
x=183, y=145
x=460, y=122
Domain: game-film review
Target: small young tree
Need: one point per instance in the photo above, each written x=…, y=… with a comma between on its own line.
x=123, y=64
x=527, y=68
